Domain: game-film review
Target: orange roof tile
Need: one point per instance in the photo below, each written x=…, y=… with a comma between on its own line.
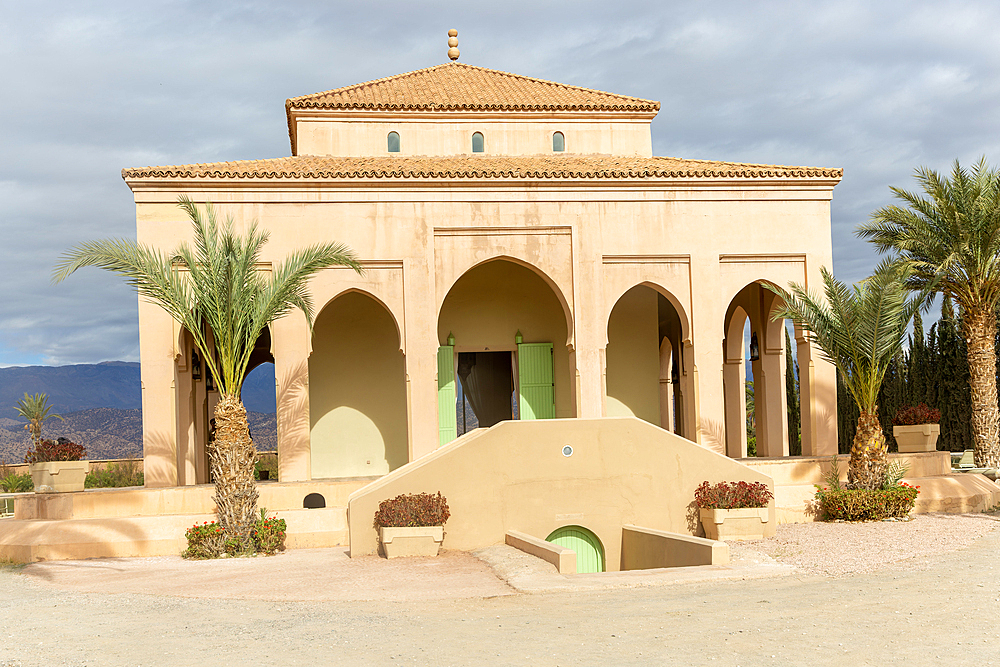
x=460, y=87
x=477, y=167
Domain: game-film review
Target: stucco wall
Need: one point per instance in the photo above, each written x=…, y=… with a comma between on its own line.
x=514, y=476
x=633, y=357
x=357, y=391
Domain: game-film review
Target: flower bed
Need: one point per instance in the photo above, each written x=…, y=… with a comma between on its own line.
x=205, y=540
x=866, y=505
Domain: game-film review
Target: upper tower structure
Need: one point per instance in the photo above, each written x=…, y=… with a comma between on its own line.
x=439, y=111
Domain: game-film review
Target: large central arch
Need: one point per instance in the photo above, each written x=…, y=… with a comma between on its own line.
x=502, y=328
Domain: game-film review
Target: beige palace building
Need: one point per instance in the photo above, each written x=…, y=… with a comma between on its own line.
x=526, y=257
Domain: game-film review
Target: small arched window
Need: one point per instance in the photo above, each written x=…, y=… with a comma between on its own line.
x=478, y=143
x=558, y=142
x=393, y=142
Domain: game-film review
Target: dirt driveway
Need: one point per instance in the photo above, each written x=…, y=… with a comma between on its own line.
x=941, y=608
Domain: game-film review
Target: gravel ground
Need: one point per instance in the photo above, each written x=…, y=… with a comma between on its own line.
x=939, y=607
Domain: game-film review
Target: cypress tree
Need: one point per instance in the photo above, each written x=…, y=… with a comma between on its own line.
x=792, y=396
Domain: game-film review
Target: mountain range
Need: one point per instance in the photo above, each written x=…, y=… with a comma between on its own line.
x=100, y=406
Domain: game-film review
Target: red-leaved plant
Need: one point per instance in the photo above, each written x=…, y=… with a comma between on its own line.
x=55, y=450
x=416, y=509
x=912, y=415
x=732, y=495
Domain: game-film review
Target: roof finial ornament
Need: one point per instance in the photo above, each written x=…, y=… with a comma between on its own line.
x=453, y=44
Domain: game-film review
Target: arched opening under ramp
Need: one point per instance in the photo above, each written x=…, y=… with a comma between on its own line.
x=501, y=331
x=644, y=360
x=357, y=390
x=586, y=544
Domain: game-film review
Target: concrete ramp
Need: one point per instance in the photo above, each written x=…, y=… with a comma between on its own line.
x=537, y=476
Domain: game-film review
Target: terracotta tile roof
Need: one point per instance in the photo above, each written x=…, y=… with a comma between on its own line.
x=459, y=87
x=476, y=167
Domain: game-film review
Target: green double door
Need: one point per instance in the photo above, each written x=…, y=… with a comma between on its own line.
x=535, y=398
x=588, y=548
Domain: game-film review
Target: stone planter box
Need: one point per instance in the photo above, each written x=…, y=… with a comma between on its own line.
x=739, y=524
x=918, y=438
x=59, y=476
x=412, y=541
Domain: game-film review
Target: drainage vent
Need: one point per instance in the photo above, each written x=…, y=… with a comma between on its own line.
x=313, y=501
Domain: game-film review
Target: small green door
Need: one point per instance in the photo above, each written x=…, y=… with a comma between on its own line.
x=447, y=415
x=535, y=399
x=589, y=552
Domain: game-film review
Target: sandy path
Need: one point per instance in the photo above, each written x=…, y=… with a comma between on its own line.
x=942, y=610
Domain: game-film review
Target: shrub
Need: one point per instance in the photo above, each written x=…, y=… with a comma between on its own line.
x=912, y=415
x=866, y=504
x=55, y=450
x=405, y=510
x=11, y=482
x=732, y=495
x=266, y=461
x=115, y=475
x=207, y=540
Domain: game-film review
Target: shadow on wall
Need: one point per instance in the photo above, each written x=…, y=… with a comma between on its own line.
x=293, y=422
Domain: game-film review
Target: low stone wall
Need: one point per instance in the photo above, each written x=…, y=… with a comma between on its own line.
x=647, y=549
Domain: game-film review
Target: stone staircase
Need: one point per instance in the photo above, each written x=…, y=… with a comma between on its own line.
x=104, y=523
x=941, y=489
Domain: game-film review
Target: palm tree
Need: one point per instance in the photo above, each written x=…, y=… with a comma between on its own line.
x=859, y=330
x=36, y=410
x=952, y=236
x=217, y=291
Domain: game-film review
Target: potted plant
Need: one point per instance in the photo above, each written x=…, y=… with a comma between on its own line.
x=412, y=524
x=57, y=466
x=733, y=510
x=916, y=428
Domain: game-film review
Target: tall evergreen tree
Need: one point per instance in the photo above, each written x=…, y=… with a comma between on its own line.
x=792, y=398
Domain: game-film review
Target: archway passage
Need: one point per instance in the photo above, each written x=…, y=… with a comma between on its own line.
x=357, y=390
x=501, y=332
x=644, y=376
x=756, y=384
x=588, y=547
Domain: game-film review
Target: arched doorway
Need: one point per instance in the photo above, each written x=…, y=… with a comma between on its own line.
x=755, y=373
x=588, y=547
x=357, y=390
x=644, y=359
x=502, y=354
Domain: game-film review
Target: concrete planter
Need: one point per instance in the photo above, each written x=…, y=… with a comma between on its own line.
x=917, y=438
x=739, y=524
x=412, y=541
x=59, y=476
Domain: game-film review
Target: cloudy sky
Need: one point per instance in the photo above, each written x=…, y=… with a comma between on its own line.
x=89, y=88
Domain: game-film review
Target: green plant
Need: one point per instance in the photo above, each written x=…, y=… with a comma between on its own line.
x=912, y=415
x=36, y=410
x=832, y=478
x=732, y=495
x=62, y=449
x=949, y=237
x=418, y=509
x=860, y=331
x=894, y=473
x=12, y=482
x=866, y=504
x=266, y=461
x=115, y=475
x=215, y=289
x=209, y=540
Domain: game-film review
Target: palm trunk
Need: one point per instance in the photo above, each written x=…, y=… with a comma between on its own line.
x=232, y=460
x=979, y=329
x=868, y=454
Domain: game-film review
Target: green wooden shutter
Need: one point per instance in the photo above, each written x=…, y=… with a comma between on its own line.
x=447, y=420
x=589, y=552
x=535, y=399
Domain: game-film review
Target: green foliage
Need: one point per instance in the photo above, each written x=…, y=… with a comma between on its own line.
x=859, y=330
x=207, y=540
x=866, y=504
x=792, y=399
x=732, y=495
x=115, y=475
x=832, y=478
x=894, y=473
x=415, y=509
x=11, y=482
x=266, y=461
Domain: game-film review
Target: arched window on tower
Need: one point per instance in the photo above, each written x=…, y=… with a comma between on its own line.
x=393, y=141
x=558, y=142
x=478, y=143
